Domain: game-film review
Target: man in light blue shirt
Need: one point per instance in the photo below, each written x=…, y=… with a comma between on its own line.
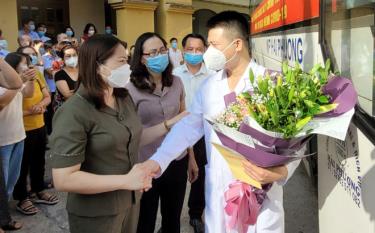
x=42, y=30
x=29, y=29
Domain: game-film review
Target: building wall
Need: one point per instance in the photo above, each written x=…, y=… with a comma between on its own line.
x=132, y=22
x=219, y=6
x=86, y=11
x=9, y=22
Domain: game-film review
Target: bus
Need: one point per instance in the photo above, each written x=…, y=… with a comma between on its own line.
x=309, y=32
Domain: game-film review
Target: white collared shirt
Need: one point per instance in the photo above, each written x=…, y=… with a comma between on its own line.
x=192, y=82
x=175, y=57
x=209, y=103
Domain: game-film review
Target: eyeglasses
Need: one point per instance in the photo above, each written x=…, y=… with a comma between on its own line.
x=155, y=53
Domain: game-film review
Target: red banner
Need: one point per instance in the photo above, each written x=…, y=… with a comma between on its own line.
x=272, y=14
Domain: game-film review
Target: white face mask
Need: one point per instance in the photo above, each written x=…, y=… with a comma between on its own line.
x=23, y=68
x=91, y=32
x=119, y=77
x=72, y=61
x=215, y=59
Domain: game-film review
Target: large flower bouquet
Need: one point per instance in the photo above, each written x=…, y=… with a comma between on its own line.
x=270, y=124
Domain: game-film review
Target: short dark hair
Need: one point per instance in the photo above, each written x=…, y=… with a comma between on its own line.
x=21, y=49
x=49, y=44
x=27, y=21
x=231, y=21
x=69, y=27
x=41, y=25
x=172, y=39
x=87, y=28
x=193, y=35
x=66, y=47
x=140, y=76
x=14, y=59
x=93, y=53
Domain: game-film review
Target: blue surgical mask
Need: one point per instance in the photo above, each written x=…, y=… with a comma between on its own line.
x=41, y=33
x=32, y=27
x=42, y=51
x=174, y=45
x=193, y=58
x=69, y=33
x=34, y=60
x=158, y=64
x=108, y=31
x=3, y=44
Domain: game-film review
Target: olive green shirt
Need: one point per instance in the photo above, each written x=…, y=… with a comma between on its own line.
x=104, y=142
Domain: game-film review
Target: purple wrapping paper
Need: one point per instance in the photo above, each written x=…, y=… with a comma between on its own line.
x=341, y=91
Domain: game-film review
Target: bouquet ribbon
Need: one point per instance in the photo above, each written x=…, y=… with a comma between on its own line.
x=243, y=203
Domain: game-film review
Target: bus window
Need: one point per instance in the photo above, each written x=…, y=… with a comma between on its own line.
x=349, y=33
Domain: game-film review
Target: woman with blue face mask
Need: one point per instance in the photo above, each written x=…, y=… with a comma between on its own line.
x=159, y=96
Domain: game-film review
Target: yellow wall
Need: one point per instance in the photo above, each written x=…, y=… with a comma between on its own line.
x=174, y=21
x=131, y=23
x=219, y=7
x=9, y=22
x=178, y=25
x=86, y=11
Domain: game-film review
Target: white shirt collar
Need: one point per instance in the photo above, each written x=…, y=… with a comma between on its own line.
x=202, y=70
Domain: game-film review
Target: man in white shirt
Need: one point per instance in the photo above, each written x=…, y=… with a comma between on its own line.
x=175, y=55
x=228, y=52
x=193, y=73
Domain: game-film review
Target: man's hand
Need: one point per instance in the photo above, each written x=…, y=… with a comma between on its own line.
x=137, y=179
x=193, y=169
x=151, y=168
x=265, y=175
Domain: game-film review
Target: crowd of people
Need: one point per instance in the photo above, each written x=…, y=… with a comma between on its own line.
x=104, y=114
x=48, y=68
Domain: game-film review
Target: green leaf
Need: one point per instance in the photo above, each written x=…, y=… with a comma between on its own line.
x=291, y=94
x=251, y=76
x=301, y=123
x=285, y=67
x=328, y=65
x=323, y=99
x=327, y=108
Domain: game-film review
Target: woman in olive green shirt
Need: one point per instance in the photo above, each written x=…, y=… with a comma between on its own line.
x=95, y=141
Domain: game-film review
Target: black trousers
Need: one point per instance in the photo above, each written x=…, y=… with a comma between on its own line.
x=170, y=189
x=196, y=198
x=33, y=161
x=48, y=115
x=4, y=208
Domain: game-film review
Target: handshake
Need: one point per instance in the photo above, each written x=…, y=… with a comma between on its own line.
x=141, y=175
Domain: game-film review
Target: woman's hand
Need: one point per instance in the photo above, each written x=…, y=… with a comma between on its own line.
x=139, y=178
x=28, y=75
x=265, y=175
x=38, y=109
x=171, y=122
x=193, y=169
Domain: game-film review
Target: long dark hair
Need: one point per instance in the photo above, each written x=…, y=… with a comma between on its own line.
x=140, y=76
x=91, y=54
x=14, y=59
x=69, y=27
x=87, y=27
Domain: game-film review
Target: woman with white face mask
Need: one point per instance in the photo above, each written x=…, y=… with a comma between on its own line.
x=88, y=32
x=67, y=78
x=95, y=141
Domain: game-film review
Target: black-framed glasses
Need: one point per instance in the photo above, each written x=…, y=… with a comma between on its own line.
x=154, y=53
